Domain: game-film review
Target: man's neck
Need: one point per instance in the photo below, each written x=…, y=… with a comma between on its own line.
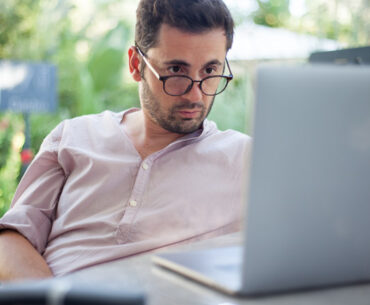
x=147, y=136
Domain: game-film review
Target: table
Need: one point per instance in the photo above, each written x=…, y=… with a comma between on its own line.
x=163, y=287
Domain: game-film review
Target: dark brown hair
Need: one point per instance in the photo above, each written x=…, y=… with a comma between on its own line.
x=194, y=16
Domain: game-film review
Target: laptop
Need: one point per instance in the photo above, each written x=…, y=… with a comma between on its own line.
x=307, y=221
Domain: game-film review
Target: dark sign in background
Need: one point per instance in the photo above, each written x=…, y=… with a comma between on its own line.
x=27, y=87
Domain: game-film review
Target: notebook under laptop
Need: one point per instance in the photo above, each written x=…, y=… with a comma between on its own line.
x=308, y=207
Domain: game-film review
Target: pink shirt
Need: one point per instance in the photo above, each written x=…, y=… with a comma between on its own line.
x=89, y=198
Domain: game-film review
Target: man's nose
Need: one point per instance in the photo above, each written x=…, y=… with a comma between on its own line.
x=195, y=94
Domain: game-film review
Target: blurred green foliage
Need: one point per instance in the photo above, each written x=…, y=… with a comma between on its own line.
x=6, y=133
x=90, y=56
x=17, y=18
x=342, y=20
x=232, y=109
x=273, y=13
x=90, y=60
x=10, y=143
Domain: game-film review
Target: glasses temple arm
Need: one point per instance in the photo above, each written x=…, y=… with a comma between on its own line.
x=147, y=62
x=228, y=66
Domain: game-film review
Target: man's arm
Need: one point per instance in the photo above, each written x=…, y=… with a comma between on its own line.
x=19, y=260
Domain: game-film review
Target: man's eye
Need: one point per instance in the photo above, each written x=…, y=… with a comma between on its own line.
x=174, y=69
x=210, y=70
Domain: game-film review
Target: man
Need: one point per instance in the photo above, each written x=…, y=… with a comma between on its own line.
x=111, y=185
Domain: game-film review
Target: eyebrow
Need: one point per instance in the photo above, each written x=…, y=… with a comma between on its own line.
x=177, y=62
x=213, y=62
x=186, y=64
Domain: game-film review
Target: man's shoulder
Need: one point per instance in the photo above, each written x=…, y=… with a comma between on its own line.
x=230, y=135
x=227, y=145
x=234, y=134
x=105, y=116
x=93, y=125
x=76, y=130
x=231, y=140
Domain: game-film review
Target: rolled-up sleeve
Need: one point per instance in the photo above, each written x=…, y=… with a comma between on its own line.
x=33, y=207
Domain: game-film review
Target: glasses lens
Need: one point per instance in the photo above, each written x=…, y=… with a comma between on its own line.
x=177, y=85
x=214, y=85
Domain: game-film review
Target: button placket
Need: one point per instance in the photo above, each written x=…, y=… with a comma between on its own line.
x=135, y=201
x=142, y=179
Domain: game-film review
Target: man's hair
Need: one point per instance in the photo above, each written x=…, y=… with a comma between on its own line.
x=193, y=16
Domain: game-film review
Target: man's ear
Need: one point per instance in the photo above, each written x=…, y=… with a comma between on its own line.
x=134, y=63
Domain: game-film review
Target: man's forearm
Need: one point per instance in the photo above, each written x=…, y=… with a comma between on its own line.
x=19, y=260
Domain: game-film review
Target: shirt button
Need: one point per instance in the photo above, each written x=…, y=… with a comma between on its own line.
x=145, y=166
x=133, y=203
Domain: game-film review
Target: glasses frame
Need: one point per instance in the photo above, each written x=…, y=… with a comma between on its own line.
x=163, y=79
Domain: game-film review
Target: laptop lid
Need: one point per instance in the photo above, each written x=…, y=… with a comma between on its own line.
x=308, y=215
x=308, y=208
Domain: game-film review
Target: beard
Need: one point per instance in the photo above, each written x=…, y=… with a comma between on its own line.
x=168, y=119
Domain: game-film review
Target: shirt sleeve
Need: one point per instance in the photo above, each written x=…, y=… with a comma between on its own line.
x=33, y=207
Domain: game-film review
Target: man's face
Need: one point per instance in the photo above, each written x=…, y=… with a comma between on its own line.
x=181, y=53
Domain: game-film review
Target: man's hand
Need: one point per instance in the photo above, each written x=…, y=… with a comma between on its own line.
x=19, y=260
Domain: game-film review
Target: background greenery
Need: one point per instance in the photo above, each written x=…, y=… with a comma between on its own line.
x=88, y=41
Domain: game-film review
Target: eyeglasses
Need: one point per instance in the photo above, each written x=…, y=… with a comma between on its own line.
x=176, y=85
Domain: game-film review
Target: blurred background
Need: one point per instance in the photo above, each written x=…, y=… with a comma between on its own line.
x=87, y=40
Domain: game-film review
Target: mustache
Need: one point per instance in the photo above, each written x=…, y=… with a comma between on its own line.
x=188, y=105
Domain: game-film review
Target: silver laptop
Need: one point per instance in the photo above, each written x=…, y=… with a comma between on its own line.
x=308, y=208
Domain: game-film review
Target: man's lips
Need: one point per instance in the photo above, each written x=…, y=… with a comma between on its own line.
x=189, y=114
